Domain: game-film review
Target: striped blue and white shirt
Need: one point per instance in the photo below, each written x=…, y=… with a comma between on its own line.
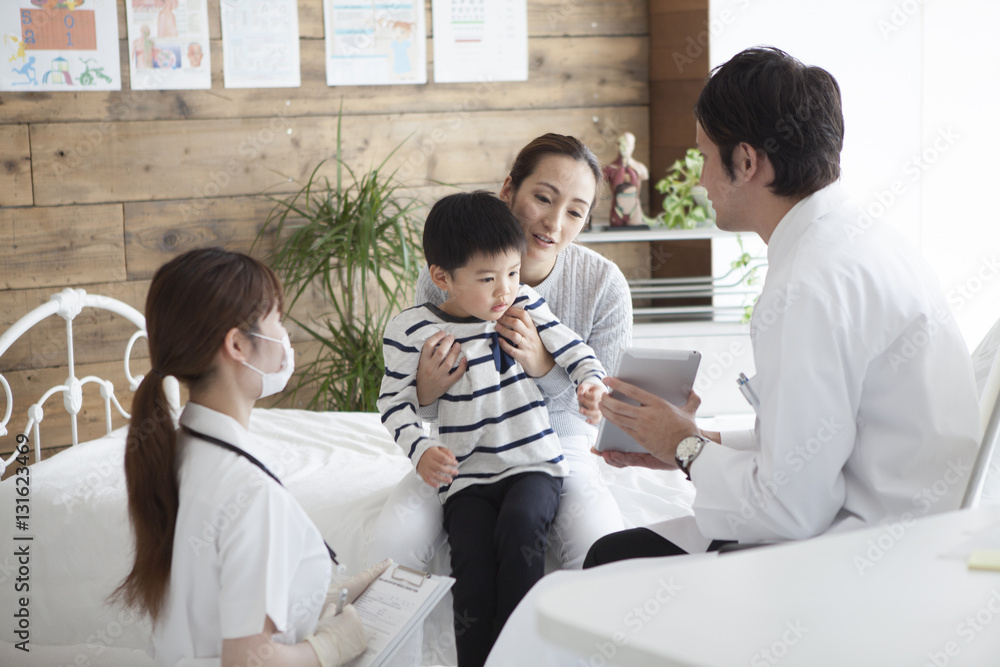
x=494, y=419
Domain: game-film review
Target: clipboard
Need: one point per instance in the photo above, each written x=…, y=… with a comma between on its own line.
x=392, y=607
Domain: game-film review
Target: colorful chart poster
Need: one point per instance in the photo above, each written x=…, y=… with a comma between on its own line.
x=260, y=43
x=480, y=40
x=69, y=45
x=168, y=44
x=371, y=43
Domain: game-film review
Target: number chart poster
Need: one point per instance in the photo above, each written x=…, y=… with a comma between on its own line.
x=168, y=44
x=67, y=45
x=372, y=43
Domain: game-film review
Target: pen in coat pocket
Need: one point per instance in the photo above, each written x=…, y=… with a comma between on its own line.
x=744, y=382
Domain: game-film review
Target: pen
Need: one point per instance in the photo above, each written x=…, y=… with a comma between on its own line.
x=340, y=602
x=744, y=383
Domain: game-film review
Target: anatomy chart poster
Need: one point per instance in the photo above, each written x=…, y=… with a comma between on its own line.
x=168, y=44
x=68, y=45
x=260, y=43
x=371, y=43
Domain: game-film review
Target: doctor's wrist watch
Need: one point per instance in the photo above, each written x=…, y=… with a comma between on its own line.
x=687, y=451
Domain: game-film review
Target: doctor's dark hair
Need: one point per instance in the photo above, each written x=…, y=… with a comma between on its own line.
x=194, y=300
x=554, y=145
x=781, y=107
x=466, y=224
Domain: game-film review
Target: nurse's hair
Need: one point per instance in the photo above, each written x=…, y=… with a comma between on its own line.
x=782, y=108
x=557, y=145
x=194, y=300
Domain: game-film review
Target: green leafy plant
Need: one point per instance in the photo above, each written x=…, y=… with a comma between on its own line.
x=356, y=240
x=685, y=202
x=749, y=276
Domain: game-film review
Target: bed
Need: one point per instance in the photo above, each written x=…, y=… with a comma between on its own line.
x=340, y=466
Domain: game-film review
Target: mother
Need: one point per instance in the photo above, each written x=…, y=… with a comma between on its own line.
x=552, y=188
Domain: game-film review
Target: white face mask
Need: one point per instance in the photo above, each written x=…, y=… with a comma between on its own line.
x=272, y=383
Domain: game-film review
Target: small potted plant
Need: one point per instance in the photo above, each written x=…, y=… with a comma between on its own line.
x=685, y=202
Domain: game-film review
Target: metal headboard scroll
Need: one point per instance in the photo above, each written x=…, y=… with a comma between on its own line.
x=68, y=304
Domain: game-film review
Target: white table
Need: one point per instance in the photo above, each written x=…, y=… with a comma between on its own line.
x=883, y=597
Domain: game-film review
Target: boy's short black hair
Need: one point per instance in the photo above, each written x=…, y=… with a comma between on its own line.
x=466, y=224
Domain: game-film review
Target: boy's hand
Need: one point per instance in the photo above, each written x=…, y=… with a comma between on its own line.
x=437, y=466
x=589, y=394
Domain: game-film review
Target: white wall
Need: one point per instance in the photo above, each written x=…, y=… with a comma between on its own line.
x=921, y=97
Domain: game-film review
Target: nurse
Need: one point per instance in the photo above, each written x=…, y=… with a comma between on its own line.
x=227, y=563
x=867, y=404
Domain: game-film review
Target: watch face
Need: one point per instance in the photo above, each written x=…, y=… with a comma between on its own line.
x=688, y=448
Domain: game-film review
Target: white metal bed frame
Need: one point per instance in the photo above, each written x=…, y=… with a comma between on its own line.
x=68, y=304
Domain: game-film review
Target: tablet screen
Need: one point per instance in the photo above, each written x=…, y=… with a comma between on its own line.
x=669, y=374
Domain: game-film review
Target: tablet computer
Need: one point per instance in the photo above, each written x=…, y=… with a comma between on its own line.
x=669, y=374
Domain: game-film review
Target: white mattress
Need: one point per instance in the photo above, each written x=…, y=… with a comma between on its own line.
x=340, y=466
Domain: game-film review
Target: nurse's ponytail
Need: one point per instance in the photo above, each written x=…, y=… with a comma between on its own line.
x=193, y=302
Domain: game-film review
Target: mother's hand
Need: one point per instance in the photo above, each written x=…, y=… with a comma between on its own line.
x=434, y=369
x=519, y=338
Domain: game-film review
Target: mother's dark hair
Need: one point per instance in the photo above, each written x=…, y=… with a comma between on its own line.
x=558, y=145
x=792, y=112
x=194, y=300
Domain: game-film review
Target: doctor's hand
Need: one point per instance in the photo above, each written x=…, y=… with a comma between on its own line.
x=434, y=368
x=339, y=638
x=519, y=338
x=655, y=424
x=437, y=466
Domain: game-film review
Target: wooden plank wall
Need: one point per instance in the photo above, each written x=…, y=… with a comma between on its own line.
x=678, y=64
x=97, y=189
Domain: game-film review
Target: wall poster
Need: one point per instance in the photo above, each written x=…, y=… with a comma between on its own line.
x=67, y=45
x=480, y=40
x=260, y=43
x=371, y=43
x=168, y=44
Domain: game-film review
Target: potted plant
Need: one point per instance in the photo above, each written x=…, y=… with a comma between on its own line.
x=685, y=202
x=357, y=241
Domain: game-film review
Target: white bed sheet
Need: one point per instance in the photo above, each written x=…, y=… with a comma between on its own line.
x=340, y=466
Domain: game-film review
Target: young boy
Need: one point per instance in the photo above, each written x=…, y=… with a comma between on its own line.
x=496, y=462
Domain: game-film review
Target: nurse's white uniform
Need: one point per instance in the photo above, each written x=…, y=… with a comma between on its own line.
x=244, y=549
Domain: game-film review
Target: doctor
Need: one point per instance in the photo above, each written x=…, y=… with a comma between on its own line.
x=867, y=403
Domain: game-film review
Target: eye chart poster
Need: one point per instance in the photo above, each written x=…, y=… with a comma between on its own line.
x=480, y=40
x=69, y=45
x=375, y=42
x=260, y=43
x=168, y=44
